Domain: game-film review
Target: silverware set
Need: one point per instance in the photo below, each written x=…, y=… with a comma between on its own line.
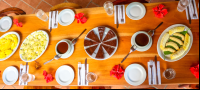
x=85, y=73
x=55, y=23
x=118, y=14
x=194, y=15
x=156, y=71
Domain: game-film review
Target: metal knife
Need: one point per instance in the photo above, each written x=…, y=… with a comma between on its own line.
x=26, y=66
x=51, y=21
x=189, y=15
x=85, y=70
x=156, y=69
x=117, y=16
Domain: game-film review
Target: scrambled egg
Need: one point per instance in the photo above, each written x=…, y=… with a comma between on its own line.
x=33, y=46
x=7, y=45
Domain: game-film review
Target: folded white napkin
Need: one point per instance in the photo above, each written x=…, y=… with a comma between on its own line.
x=154, y=73
x=191, y=9
x=119, y=14
x=23, y=71
x=82, y=74
x=53, y=19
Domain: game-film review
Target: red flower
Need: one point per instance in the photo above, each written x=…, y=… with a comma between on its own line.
x=19, y=24
x=159, y=11
x=117, y=71
x=195, y=71
x=47, y=76
x=80, y=18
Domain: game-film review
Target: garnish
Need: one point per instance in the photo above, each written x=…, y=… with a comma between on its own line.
x=195, y=71
x=184, y=32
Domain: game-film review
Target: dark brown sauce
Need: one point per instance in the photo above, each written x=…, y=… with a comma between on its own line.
x=142, y=39
x=62, y=47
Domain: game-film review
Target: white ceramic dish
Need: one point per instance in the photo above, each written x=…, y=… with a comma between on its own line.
x=139, y=48
x=68, y=53
x=135, y=11
x=161, y=53
x=66, y=17
x=105, y=52
x=15, y=48
x=135, y=74
x=5, y=24
x=10, y=75
x=42, y=52
x=64, y=75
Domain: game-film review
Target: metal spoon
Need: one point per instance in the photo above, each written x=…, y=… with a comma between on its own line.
x=75, y=40
x=133, y=48
x=153, y=31
x=55, y=58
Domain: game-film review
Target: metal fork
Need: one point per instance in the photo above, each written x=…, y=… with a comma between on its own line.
x=194, y=15
x=151, y=66
x=133, y=48
x=79, y=73
x=21, y=75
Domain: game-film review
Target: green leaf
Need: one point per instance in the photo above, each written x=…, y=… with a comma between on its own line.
x=170, y=47
x=184, y=32
x=167, y=52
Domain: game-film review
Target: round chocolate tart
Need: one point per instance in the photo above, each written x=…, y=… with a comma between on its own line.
x=101, y=43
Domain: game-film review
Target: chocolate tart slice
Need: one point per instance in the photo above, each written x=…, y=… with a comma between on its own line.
x=109, y=50
x=101, y=32
x=100, y=54
x=111, y=43
x=91, y=49
x=89, y=42
x=93, y=36
x=109, y=35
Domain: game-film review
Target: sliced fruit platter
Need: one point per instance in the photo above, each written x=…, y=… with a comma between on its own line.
x=175, y=42
x=101, y=43
x=9, y=43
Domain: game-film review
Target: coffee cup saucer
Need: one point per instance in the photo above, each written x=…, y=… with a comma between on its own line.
x=139, y=48
x=68, y=54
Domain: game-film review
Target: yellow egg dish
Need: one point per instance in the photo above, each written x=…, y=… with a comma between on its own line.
x=33, y=46
x=7, y=45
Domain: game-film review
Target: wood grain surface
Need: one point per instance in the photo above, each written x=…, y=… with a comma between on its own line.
x=98, y=17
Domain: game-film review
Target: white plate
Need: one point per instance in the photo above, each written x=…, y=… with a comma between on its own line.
x=106, y=55
x=135, y=74
x=145, y=48
x=18, y=37
x=160, y=52
x=10, y=75
x=66, y=17
x=42, y=52
x=66, y=55
x=135, y=11
x=64, y=75
x=5, y=24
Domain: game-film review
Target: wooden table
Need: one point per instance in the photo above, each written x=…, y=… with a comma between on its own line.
x=98, y=17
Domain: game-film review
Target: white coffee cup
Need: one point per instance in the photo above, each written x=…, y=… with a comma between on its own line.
x=69, y=47
x=141, y=48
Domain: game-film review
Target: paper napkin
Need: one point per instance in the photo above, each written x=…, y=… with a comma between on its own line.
x=191, y=9
x=82, y=74
x=51, y=23
x=119, y=14
x=23, y=71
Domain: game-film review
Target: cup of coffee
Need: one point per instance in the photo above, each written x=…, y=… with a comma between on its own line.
x=142, y=40
x=63, y=47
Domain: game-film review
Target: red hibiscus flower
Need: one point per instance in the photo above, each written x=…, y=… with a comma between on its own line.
x=80, y=18
x=16, y=22
x=117, y=71
x=159, y=11
x=47, y=76
x=195, y=71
